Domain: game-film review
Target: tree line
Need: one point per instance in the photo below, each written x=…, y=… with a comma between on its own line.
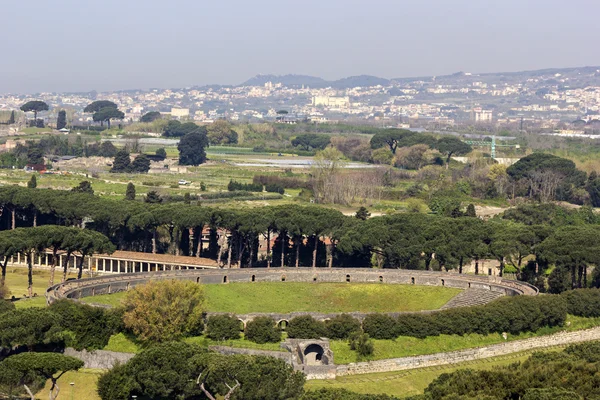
x=31, y=242
x=525, y=245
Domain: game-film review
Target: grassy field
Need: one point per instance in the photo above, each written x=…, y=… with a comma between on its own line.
x=126, y=344
x=405, y=346
x=411, y=382
x=244, y=298
x=84, y=388
x=16, y=280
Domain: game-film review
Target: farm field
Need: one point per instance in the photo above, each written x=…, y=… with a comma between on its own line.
x=244, y=298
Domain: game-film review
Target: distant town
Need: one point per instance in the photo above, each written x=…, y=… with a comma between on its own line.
x=564, y=101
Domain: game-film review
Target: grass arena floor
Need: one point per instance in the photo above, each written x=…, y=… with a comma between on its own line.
x=279, y=297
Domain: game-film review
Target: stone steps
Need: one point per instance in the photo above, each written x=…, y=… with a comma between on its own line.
x=472, y=297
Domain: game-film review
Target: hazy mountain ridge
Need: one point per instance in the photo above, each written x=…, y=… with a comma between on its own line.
x=588, y=74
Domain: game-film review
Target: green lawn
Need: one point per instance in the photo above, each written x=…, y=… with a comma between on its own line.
x=411, y=382
x=16, y=280
x=405, y=346
x=280, y=297
x=84, y=388
x=127, y=344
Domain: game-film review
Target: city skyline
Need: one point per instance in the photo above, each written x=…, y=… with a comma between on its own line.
x=63, y=47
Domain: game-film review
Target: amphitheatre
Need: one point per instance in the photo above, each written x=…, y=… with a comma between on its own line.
x=313, y=357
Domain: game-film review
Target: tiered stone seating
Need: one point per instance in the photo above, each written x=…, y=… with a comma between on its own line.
x=472, y=297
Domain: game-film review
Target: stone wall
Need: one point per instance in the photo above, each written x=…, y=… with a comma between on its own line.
x=112, y=284
x=283, y=355
x=399, y=364
x=99, y=359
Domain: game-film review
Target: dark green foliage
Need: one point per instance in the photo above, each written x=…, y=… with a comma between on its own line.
x=380, y=326
x=130, y=191
x=550, y=394
x=283, y=383
x=361, y=343
x=568, y=375
x=249, y=187
x=583, y=302
x=170, y=371
x=283, y=181
x=152, y=197
x=140, y=164
x=342, y=326
x=107, y=149
x=12, y=120
x=470, y=211
x=262, y=330
x=512, y=314
x=306, y=327
x=274, y=188
x=35, y=155
x=29, y=327
x=177, y=129
x=83, y=187
x=6, y=305
x=342, y=394
x=99, y=105
x=35, y=106
x=32, y=184
x=150, y=116
x=223, y=327
x=451, y=146
x=192, y=147
x=362, y=213
x=106, y=114
x=310, y=141
x=121, y=162
x=163, y=371
x=394, y=138
x=162, y=153
x=87, y=327
x=27, y=368
x=532, y=175
x=61, y=121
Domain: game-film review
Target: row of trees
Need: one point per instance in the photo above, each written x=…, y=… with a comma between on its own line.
x=31, y=242
x=415, y=241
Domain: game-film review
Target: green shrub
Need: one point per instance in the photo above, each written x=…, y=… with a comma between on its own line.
x=583, y=302
x=6, y=305
x=223, y=327
x=262, y=330
x=306, y=327
x=380, y=326
x=90, y=327
x=361, y=343
x=342, y=326
x=510, y=314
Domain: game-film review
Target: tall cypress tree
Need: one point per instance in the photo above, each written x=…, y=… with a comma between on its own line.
x=11, y=120
x=121, y=162
x=130, y=192
x=61, y=121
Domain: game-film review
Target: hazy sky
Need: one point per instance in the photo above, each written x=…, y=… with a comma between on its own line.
x=80, y=45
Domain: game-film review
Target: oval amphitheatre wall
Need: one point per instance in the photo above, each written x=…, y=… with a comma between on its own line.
x=77, y=289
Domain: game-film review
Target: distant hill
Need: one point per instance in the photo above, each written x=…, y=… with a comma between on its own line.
x=577, y=77
x=360, y=80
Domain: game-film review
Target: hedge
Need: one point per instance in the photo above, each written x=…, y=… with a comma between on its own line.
x=583, y=302
x=510, y=314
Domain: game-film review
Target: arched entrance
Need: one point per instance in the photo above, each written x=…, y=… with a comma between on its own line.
x=313, y=355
